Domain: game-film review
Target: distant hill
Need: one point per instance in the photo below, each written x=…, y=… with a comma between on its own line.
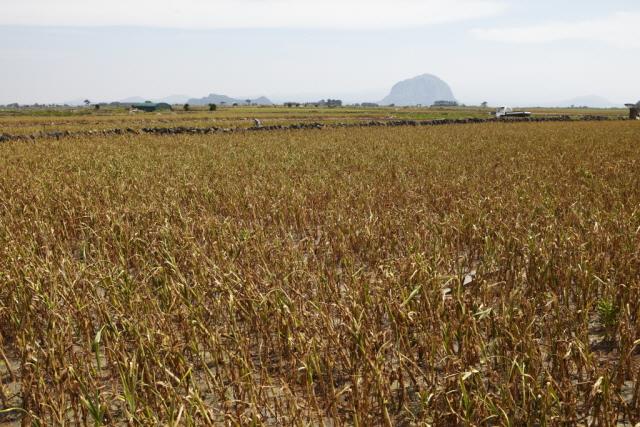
x=593, y=101
x=219, y=99
x=174, y=99
x=424, y=90
x=133, y=100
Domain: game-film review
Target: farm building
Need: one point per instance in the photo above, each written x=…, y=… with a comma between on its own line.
x=150, y=107
x=445, y=104
x=330, y=103
x=634, y=111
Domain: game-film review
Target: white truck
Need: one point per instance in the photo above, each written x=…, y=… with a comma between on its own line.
x=508, y=112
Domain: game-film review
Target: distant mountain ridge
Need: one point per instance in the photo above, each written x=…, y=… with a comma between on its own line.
x=173, y=99
x=180, y=99
x=133, y=100
x=423, y=90
x=219, y=99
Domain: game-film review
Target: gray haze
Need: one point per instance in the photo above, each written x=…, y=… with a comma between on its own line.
x=500, y=51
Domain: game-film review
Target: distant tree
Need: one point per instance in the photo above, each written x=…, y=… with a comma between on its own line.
x=97, y=106
x=235, y=104
x=87, y=102
x=186, y=107
x=484, y=104
x=248, y=101
x=213, y=107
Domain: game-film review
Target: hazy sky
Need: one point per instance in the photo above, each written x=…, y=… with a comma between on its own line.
x=502, y=51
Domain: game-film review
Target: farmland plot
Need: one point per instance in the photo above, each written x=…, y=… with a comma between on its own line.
x=482, y=274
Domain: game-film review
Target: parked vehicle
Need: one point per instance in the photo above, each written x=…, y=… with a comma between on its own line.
x=508, y=112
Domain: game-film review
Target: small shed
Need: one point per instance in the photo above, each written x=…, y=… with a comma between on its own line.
x=634, y=111
x=150, y=107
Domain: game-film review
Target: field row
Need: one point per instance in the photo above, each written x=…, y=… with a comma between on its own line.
x=76, y=120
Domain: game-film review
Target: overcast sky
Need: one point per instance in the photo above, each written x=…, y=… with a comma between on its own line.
x=503, y=51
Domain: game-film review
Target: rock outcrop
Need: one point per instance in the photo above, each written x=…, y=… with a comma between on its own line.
x=422, y=90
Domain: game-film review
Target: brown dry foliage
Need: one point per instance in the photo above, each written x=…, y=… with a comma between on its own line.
x=450, y=276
